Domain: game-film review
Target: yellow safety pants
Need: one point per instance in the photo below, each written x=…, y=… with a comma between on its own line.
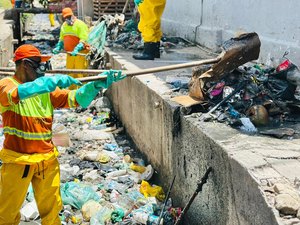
x=150, y=14
x=52, y=19
x=76, y=62
x=14, y=183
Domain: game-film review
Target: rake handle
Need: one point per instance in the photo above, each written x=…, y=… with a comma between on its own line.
x=128, y=73
x=156, y=69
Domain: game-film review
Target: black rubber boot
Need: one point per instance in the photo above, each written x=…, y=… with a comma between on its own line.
x=157, y=50
x=148, y=53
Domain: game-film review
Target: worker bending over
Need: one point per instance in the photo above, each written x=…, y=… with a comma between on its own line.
x=27, y=101
x=73, y=39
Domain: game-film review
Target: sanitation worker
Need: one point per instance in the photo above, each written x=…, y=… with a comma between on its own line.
x=27, y=101
x=73, y=39
x=149, y=26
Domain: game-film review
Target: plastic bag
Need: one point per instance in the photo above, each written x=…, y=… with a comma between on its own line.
x=97, y=36
x=76, y=194
x=89, y=209
x=281, y=89
x=148, y=191
x=100, y=218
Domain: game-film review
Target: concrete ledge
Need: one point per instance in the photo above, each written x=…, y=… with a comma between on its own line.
x=181, y=145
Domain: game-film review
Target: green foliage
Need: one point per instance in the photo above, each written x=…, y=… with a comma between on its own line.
x=25, y=17
x=5, y=4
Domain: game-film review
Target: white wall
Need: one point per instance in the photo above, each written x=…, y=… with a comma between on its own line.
x=210, y=22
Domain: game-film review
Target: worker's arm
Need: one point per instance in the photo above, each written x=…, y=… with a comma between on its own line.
x=82, y=33
x=45, y=84
x=58, y=47
x=137, y=2
x=77, y=49
x=86, y=94
x=8, y=93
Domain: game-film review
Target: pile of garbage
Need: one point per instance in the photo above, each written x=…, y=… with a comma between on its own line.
x=115, y=32
x=104, y=180
x=256, y=98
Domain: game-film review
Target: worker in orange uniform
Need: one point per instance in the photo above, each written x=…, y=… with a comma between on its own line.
x=27, y=101
x=149, y=26
x=73, y=39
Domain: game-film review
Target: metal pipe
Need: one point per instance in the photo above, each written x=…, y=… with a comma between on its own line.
x=63, y=71
x=201, y=21
x=128, y=73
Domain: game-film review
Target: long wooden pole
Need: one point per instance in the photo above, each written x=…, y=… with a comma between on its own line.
x=156, y=69
x=63, y=71
x=128, y=73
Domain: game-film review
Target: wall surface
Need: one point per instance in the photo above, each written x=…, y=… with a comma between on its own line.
x=210, y=22
x=6, y=39
x=85, y=8
x=182, y=146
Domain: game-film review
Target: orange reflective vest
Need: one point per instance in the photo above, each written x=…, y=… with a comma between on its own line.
x=27, y=124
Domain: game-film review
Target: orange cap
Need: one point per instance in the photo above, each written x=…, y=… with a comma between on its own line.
x=27, y=51
x=67, y=12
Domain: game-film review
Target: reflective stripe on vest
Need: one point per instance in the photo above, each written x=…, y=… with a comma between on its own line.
x=71, y=99
x=27, y=135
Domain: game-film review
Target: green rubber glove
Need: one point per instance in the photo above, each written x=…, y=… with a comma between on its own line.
x=111, y=76
x=137, y=2
x=77, y=49
x=86, y=94
x=59, y=46
x=46, y=84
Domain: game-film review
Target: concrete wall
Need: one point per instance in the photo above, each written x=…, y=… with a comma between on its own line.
x=210, y=22
x=85, y=8
x=6, y=39
x=178, y=145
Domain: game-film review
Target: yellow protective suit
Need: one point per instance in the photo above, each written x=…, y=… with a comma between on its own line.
x=52, y=19
x=150, y=14
x=77, y=62
x=15, y=179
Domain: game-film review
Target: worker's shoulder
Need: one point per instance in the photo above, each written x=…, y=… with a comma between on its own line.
x=80, y=22
x=7, y=81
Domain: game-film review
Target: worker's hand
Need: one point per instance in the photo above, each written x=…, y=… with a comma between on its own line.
x=77, y=49
x=45, y=84
x=74, y=53
x=55, y=51
x=111, y=77
x=86, y=94
x=137, y=2
x=59, y=46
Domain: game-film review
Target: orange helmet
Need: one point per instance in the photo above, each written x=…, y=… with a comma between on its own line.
x=67, y=12
x=27, y=51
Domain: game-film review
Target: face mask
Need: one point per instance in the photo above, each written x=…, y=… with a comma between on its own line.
x=40, y=71
x=40, y=68
x=43, y=67
x=70, y=22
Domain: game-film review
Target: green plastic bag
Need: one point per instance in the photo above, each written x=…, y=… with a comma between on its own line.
x=76, y=194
